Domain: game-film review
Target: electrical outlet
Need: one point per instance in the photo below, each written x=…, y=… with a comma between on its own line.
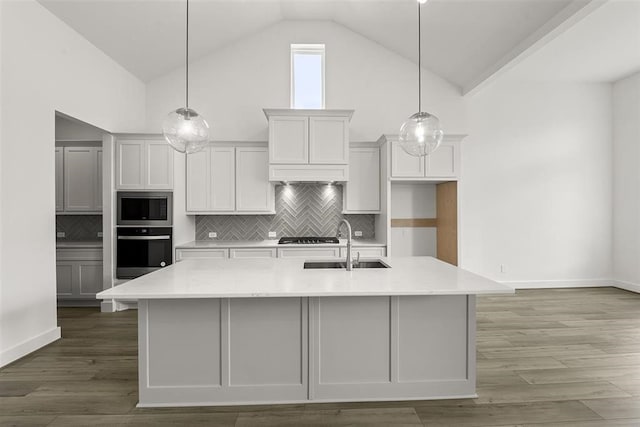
x=61, y=234
x=213, y=234
x=357, y=233
x=100, y=234
x=503, y=269
x=272, y=234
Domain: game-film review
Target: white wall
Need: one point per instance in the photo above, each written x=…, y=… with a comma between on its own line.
x=231, y=86
x=73, y=130
x=537, y=182
x=626, y=179
x=46, y=67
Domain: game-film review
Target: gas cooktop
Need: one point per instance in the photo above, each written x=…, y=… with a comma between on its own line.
x=307, y=240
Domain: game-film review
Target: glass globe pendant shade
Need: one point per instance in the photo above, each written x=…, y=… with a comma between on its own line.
x=186, y=131
x=421, y=135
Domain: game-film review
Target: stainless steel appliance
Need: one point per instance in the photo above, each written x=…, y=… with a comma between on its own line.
x=307, y=240
x=141, y=250
x=150, y=209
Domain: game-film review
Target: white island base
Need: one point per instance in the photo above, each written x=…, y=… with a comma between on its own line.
x=225, y=351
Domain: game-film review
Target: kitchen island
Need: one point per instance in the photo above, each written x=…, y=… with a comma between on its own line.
x=245, y=331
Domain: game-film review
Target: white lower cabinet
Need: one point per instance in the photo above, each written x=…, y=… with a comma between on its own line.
x=365, y=251
x=253, y=253
x=308, y=252
x=79, y=273
x=280, y=252
x=213, y=253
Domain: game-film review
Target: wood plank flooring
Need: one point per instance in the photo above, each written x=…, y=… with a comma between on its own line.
x=564, y=357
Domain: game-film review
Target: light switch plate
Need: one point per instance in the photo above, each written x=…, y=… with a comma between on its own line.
x=272, y=234
x=357, y=233
x=213, y=235
x=61, y=234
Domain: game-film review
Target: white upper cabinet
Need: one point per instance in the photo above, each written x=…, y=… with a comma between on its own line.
x=82, y=183
x=308, y=145
x=328, y=140
x=290, y=136
x=222, y=177
x=362, y=192
x=144, y=165
x=231, y=180
x=159, y=165
x=254, y=193
x=59, y=179
x=444, y=163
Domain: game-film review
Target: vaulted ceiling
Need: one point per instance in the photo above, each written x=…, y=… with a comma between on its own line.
x=464, y=41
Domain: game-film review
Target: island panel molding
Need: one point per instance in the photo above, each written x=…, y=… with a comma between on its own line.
x=277, y=350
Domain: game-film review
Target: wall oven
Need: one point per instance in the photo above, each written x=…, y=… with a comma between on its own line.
x=141, y=250
x=149, y=209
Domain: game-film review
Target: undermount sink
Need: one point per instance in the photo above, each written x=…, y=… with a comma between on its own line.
x=342, y=264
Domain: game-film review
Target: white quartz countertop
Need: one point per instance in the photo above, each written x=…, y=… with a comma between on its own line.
x=286, y=277
x=204, y=244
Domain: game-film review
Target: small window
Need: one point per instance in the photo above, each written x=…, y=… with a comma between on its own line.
x=307, y=76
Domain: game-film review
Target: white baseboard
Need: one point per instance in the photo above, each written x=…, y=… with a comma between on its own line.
x=16, y=352
x=555, y=284
x=627, y=286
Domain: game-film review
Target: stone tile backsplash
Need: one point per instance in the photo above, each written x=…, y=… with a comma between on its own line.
x=301, y=210
x=79, y=227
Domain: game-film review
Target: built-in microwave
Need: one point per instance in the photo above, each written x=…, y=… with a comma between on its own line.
x=149, y=209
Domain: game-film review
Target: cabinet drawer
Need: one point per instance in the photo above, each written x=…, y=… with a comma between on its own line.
x=253, y=253
x=79, y=254
x=308, y=252
x=201, y=253
x=365, y=252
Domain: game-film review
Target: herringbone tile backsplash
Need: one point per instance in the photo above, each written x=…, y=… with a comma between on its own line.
x=301, y=210
x=79, y=227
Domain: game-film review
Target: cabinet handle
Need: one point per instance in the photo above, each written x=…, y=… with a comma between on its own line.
x=144, y=237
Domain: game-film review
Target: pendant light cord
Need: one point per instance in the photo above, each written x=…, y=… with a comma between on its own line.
x=187, y=61
x=419, y=59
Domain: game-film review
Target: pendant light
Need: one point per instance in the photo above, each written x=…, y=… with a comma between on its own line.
x=420, y=135
x=184, y=129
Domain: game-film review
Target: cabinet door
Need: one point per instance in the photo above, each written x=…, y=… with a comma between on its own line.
x=201, y=253
x=289, y=140
x=309, y=252
x=89, y=279
x=443, y=162
x=254, y=192
x=252, y=253
x=198, y=180
x=59, y=179
x=362, y=192
x=159, y=166
x=130, y=165
x=223, y=176
x=79, y=179
x=64, y=278
x=328, y=140
x=98, y=180
x=404, y=165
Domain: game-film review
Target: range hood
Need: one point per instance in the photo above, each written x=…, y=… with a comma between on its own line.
x=308, y=145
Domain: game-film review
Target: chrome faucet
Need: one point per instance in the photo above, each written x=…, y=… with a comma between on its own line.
x=344, y=221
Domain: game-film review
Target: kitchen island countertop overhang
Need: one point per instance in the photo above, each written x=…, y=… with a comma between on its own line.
x=286, y=277
x=257, y=331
